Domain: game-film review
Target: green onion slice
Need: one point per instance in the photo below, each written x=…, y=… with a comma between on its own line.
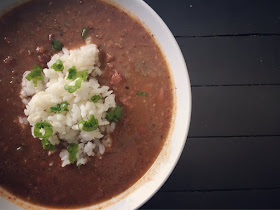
x=95, y=98
x=84, y=33
x=74, y=74
x=90, y=125
x=35, y=75
x=139, y=93
x=58, y=108
x=47, y=145
x=72, y=89
x=43, y=129
x=58, y=65
x=73, y=150
x=114, y=115
x=57, y=45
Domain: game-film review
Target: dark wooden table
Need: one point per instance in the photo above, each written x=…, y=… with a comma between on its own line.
x=232, y=155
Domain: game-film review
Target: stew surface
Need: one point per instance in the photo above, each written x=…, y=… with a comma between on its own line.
x=131, y=62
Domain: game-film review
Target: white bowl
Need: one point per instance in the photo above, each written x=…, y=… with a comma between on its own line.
x=155, y=177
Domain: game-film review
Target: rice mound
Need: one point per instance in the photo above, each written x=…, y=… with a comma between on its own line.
x=50, y=92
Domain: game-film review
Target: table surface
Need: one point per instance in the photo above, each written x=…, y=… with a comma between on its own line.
x=231, y=157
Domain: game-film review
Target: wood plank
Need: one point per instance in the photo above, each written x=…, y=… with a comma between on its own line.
x=235, y=111
x=232, y=60
x=5, y=3
x=255, y=199
x=227, y=163
x=216, y=17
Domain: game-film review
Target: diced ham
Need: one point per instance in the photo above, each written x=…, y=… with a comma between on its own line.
x=109, y=58
x=116, y=78
x=109, y=66
x=125, y=101
x=43, y=58
x=40, y=50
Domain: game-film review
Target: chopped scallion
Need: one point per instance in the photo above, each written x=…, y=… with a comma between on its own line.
x=58, y=65
x=79, y=165
x=47, y=145
x=58, y=108
x=139, y=93
x=72, y=89
x=43, y=129
x=95, y=98
x=90, y=125
x=84, y=33
x=35, y=75
x=74, y=74
x=73, y=150
x=114, y=115
x=57, y=45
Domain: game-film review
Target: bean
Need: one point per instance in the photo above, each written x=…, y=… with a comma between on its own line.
x=51, y=37
x=40, y=50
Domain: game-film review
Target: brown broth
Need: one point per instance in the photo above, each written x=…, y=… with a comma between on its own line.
x=138, y=137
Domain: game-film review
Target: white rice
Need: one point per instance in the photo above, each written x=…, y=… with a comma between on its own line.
x=50, y=92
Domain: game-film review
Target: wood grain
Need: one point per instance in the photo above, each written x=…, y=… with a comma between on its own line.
x=232, y=60
x=232, y=51
x=252, y=199
x=235, y=111
x=217, y=17
x=227, y=164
